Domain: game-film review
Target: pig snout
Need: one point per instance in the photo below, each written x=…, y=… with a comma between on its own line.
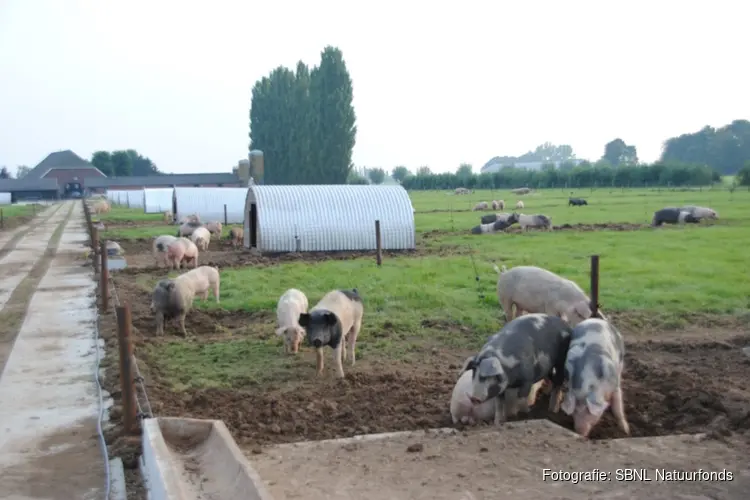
x=584, y=421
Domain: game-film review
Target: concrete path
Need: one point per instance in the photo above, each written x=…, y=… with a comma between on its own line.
x=49, y=446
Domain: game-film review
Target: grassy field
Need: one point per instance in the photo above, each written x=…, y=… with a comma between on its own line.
x=20, y=210
x=412, y=304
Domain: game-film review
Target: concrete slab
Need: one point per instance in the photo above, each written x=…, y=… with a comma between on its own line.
x=509, y=462
x=48, y=439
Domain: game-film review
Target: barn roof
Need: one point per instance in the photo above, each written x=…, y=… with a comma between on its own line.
x=26, y=184
x=64, y=160
x=165, y=180
x=330, y=217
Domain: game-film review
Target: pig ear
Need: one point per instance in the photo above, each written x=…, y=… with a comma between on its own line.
x=469, y=364
x=304, y=320
x=569, y=404
x=563, y=317
x=490, y=367
x=280, y=331
x=331, y=318
x=583, y=310
x=595, y=405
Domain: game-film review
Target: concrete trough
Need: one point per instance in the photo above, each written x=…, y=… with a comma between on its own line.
x=506, y=462
x=192, y=459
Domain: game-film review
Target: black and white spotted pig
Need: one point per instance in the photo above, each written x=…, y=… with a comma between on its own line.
x=593, y=370
x=515, y=361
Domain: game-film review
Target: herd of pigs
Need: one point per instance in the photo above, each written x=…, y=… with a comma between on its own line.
x=551, y=338
x=498, y=222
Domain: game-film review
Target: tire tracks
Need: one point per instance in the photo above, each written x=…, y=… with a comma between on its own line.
x=14, y=311
x=10, y=245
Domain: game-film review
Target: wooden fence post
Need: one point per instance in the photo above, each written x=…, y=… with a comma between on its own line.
x=104, y=276
x=95, y=247
x=127, y=381
x=225, y=214
x=594, y=286
x=378, y=244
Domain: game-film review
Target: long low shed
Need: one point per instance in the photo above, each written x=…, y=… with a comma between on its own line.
x=209, y=203
x=328, y=218
x=157, y=200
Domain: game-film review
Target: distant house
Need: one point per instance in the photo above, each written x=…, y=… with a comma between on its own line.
x=166, y=180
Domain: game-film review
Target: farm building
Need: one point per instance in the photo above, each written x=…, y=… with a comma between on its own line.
x=157, y=200
x=325, y=218
x=166, y=181
x=209, y=203
x=6, y=198
x=68, y=170
x=30, y=189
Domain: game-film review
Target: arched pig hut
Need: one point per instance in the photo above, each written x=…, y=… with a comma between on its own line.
x=209, y=202
x=323, y=218
x=157, y=200
x=134, y=198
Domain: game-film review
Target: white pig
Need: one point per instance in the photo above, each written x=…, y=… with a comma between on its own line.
x=291, y=304
x=593, y=369
x=462, y=409
x=201, y=237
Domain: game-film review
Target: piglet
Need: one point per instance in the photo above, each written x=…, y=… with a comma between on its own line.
x=593, y=369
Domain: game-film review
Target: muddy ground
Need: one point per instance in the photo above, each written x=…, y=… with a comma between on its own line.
x=688, y=381
x=220, y=253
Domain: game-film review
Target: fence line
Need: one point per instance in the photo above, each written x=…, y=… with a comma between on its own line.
x=107, y=285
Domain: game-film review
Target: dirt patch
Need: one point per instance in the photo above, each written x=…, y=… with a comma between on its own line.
x=138, y=253
x=14, y=311
x=686, y=386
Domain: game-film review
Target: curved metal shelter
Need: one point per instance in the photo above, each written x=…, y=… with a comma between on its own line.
x=327, y=218
x=157, y=200
x=134, y=198
x=209, y=203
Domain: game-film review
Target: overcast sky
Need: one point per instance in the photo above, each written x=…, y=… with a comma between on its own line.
x=434, y=83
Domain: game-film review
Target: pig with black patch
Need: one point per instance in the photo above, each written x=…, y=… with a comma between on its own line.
x=593, y=369
x=334, y=321
x=513, y=364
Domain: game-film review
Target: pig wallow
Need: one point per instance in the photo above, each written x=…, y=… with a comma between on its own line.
x=514, y=363
x=291, y=304
x=593, y=370
x=495, y=227
x=171, y=300
x=536, y=290
x=336, y=319
x=462, y=408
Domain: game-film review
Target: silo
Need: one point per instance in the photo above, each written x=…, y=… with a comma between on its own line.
x=243, y=171
x=256, y=166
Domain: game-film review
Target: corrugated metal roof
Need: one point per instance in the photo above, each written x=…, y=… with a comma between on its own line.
x=24, y=184
x=163, y=180
x=158, y=200
x=327, y=218
x=208, y=202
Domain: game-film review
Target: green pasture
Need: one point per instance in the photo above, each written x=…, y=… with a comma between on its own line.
x=121, y=214
x=20, y=210
x=413, y=304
